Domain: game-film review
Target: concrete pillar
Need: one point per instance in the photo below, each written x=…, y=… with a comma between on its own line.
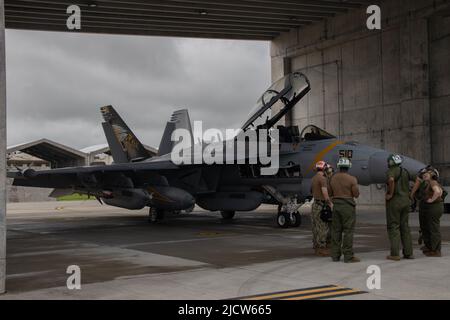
x=2, y=150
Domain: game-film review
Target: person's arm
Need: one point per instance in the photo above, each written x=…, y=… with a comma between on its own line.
x=391, y=188
x=355, y=189
x=415, y=188
x=326, y=196
x=437, y=192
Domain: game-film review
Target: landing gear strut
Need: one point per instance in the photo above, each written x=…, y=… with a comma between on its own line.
x=155, y=215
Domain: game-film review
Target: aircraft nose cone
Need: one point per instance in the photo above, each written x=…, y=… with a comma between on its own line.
x=413, y=166
x=378, y=166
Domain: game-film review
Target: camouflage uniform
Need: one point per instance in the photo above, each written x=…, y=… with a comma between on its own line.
x=321, y=229
x=397, y=213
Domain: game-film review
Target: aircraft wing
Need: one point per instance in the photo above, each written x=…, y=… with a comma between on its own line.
x=93, y=176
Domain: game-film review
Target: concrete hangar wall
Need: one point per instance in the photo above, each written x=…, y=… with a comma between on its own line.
x=389, y=88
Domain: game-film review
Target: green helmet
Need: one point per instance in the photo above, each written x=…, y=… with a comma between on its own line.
x=394, y=160
x=344, y=163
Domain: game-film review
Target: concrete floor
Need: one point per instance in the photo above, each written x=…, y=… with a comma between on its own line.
x=199, y=256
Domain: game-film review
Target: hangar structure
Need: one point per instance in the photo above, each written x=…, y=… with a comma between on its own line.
x=389, y=87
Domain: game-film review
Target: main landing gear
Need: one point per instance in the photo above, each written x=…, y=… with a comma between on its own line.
x=227, y=215
x=155, y=215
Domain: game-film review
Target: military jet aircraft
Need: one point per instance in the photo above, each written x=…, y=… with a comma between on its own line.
x=135, y=180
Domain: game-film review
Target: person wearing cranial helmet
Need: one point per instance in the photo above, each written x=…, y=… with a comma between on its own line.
x=398, y=205
x=344, y=190
x=322, y=201
x=430, y=195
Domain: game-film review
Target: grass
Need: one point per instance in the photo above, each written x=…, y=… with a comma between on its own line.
x=73, y=197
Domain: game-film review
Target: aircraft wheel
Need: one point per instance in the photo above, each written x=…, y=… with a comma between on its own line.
x=283, y=219
x=296, y=220
x=227, y=215
x=190, y=209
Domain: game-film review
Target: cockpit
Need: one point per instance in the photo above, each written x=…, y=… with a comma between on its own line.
x=276, y=102
x=313, y=133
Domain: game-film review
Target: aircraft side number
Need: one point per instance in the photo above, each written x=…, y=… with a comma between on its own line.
x=346, y=153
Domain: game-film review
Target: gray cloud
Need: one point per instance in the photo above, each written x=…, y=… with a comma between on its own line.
x=56, y=83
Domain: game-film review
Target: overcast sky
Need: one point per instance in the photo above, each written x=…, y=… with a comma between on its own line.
x=56, y=83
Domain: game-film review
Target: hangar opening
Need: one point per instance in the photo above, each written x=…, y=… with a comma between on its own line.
x=388, y=88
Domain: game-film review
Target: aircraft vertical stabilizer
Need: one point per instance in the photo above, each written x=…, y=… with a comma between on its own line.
x=123, y=144
x=178, y=120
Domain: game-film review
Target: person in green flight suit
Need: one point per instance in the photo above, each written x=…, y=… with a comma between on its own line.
x=398, y=205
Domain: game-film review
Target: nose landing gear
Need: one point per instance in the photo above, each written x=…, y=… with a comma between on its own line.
x=288, y=216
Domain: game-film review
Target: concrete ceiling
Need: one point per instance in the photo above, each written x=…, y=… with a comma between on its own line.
x=227, y=19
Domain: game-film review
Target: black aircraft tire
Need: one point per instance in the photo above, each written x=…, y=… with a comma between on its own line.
x=159, y=214
x=227, y=215
x=283, y=220
x=296, y=220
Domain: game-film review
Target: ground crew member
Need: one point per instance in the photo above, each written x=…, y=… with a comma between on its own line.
x=433, y=207
x=344, y=190
x=418, y=194
x=398, y=205
x=329, y=173
x=320, y=228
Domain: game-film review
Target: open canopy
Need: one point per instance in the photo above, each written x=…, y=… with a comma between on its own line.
x=313, y=133
x=276, y=101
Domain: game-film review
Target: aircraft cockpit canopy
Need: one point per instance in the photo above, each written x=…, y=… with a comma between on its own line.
x=313, y=133
x=277, y=100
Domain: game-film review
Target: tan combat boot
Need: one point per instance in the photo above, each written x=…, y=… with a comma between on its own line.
x=325, y=252
x=353, y=260
x=433, y=254
x=393, y=258
x=425, y=249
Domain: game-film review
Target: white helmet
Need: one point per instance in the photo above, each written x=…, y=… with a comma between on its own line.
x=394, y=160
x=344, y=163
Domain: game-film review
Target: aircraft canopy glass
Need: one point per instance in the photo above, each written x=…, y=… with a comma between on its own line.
x=313, y=133
x=277, y=96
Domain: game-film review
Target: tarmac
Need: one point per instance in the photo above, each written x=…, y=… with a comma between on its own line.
x=200, y=256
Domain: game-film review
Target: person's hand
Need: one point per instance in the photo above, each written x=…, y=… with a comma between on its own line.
x=429, y=201
x=331, y=205
x=388, y=197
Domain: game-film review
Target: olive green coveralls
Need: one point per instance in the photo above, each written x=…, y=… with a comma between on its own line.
x=430, y=214
x=397, y=213
x=342, y=228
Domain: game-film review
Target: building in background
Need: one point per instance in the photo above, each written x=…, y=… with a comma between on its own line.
x=44, y=154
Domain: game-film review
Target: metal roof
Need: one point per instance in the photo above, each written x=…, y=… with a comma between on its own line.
x=48, y=150
x=230, y=19
x=104, y=148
